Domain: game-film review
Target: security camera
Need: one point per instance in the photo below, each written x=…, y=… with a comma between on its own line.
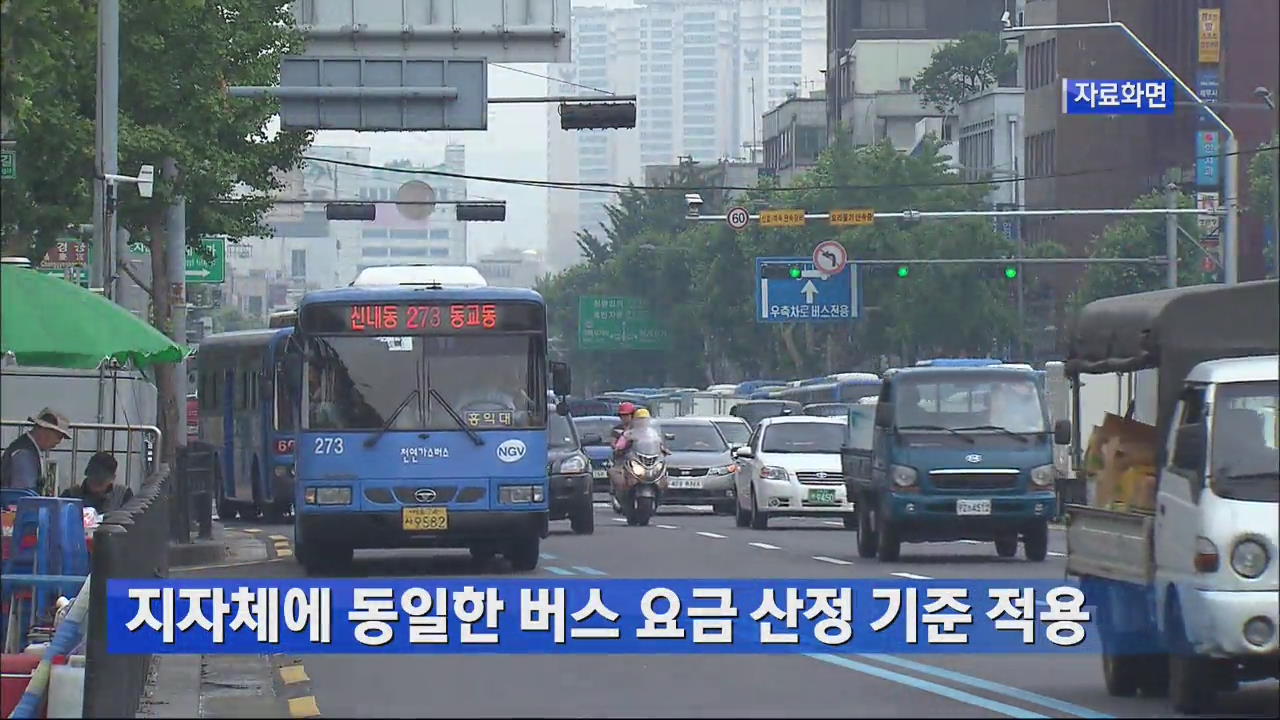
x=1006, y=20
x=694, y=201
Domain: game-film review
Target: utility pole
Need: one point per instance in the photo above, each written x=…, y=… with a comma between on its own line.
x=1171, y=235
x=176, y=259
x=106, y=140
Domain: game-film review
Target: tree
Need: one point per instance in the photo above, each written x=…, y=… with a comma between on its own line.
x=1261, y=189
x=1141, y=236
x=959, y=69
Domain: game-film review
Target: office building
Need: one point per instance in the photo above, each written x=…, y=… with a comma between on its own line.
x=795, y=133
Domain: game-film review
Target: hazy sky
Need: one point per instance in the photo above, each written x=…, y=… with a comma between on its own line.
x=515, y=146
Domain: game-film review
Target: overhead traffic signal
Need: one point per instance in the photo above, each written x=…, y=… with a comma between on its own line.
x=480, y=212
x=350, y=211
x=1010, y=272
x=780, y=271
x=597, y=116
x=904, y=271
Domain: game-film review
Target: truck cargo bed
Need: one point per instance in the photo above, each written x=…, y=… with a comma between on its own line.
x=1110, y=544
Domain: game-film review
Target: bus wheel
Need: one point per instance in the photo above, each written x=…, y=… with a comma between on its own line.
x=523, y=554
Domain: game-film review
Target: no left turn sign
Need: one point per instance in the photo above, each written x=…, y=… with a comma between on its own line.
x=737, y=217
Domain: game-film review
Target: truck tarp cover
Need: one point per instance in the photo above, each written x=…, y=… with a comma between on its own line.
x=1174, y=330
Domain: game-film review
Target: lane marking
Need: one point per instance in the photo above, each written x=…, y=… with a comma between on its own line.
x=971, y=542
x=292, y=674
x=251, y=530
x=279, y=538
x=284, y=552
x=304, y=707
x=1013, y=692
x=1056, y=554
x=764, y=546
x=557, y=570
x=668, y=527
x=619, y=519
x=911, y=576
x=546, y=556
x=703, y=533
x=926, y=685
x=588, y=571
x=833, y=561
x=832, y=522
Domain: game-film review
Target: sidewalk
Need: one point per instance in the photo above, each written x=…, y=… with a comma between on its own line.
x=214, y=686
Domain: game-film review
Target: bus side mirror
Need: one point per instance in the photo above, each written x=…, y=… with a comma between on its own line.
x=884, y=415
x=1062, y=432
x=561, y=378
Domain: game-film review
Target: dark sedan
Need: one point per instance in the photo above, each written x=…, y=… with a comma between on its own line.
x=569, y=475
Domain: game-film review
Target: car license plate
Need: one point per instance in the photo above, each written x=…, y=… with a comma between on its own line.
x=823, y=497
x=599, y=474
x=686, y=483
x=973, y=507
x=418, y=519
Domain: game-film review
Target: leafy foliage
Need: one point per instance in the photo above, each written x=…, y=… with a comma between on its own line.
x=1142, y=236
x=698, y=278
x=959, y=69
x=1261, y=189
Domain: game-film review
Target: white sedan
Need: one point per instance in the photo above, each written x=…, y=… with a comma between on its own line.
x=791, y=467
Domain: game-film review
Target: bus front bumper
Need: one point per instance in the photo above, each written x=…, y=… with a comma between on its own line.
x=385, y=530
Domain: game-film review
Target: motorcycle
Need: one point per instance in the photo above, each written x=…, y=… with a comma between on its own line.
x=644, y=477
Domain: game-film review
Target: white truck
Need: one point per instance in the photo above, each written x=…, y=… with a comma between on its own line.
x=1187, y=596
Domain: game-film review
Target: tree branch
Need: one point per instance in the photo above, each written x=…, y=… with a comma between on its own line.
x=137, y=280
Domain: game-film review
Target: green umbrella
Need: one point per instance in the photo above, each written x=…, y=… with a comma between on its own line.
x=47, y=321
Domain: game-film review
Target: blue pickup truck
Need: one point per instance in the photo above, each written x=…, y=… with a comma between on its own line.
x=955, y=453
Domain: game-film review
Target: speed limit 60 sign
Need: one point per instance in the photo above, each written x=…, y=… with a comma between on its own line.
x=737, y=217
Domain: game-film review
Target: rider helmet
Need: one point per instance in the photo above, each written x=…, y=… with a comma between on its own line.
x=641, y=414
x=626, y=408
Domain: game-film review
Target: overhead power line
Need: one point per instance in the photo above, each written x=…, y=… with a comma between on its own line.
x=612, y=187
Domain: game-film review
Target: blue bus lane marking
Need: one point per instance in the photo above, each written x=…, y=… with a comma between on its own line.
x=926, y=685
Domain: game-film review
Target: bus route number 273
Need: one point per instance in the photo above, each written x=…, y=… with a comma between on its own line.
x=328, y=446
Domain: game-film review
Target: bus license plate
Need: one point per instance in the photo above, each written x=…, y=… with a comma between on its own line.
x=822, y=497
x=417, y=519
x=686, y=483
x=973, y=507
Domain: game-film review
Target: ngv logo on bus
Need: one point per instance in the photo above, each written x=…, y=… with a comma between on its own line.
x=511, y=450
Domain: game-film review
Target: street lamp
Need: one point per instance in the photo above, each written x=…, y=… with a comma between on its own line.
x=1231, y=148
x=1270, y=100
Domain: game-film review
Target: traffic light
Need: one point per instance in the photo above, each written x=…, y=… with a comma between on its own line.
x=350, y=211
x=597, y=116
x=1010, y=272
x=780, y=271
x=481, y=212
x=903, y=271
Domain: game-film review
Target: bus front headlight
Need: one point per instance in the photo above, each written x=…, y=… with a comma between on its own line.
x=331, y=495
x=520, y=494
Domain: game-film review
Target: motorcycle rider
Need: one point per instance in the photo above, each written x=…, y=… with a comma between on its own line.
x=640, y=420
x=626, y=411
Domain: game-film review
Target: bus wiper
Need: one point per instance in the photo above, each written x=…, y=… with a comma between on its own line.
x=1004, y=430
x=962, y=436
x=475, y=436
x=374, y=438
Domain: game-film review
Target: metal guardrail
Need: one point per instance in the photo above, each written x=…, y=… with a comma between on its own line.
x=131, y=543
x=141, y=444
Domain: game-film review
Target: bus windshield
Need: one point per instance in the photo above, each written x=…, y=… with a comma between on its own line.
x=490, y=381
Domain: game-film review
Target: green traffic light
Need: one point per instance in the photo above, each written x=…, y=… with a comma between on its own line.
x=903, y=271
x=795, y=273
x=1011, y=272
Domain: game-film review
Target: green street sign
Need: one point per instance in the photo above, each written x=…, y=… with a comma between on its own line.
x=200, y=270
x=8, y=165
x=617, y=323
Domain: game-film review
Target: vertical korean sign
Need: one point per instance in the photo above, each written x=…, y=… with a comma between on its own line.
x=1208, y=162
x=1210, y=35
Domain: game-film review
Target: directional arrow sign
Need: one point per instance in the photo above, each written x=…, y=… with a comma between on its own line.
x=198, y=269
x=807, y=296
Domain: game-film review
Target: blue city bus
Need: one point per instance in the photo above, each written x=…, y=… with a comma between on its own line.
x=423, y=422
x=839, y=391
x=245, y=412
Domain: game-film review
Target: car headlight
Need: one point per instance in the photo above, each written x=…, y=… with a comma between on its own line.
x=773, y=473
x=1043, y=476
x=902, y=475
x=519, y=494
x=1249, y=558
x=573, y=464
x=723, y=470
x=328, y=496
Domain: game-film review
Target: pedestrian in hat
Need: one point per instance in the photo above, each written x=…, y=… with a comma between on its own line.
x=22, y=464
x=99, y=490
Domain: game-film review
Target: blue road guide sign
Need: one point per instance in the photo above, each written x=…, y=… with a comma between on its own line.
x=791, y=289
